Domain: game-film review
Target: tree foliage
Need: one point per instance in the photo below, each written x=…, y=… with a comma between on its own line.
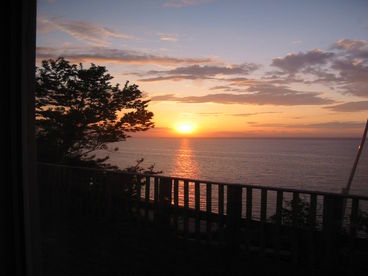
x=79, y=111
x=296, y=212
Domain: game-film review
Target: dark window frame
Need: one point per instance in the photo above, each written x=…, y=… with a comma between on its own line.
x=20, y=239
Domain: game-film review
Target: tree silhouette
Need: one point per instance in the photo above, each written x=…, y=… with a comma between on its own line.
x=79, y=111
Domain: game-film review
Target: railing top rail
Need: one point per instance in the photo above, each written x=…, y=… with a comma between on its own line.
x=253, y=186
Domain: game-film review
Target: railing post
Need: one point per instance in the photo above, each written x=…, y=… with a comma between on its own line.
x=186, y=209
x=147, y=198
x=208, y=210
x=164, y=193
x=296, y=212
x=263, y=235
x=278, y=222
x=332, y=222
x=311, y=230
x=197, y=199
x=221, y=213
x=248, y=228
x=353, y=221
x=234, y=208
x=128, y=183
x=176, y=203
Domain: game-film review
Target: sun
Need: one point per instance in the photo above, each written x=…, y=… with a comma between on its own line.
x=184, y=128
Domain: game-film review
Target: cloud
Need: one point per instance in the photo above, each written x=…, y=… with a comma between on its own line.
x=356, y=48
x=103, y=54
x=215, y=114
x=350, y=107
x=153, y=132
x=168, y=37
x=234, y=114
x=88, y=32
x=173, y=78
x=242, y=81
x=184, y=3
x=353, y=77
x=261, y=95
x=345, y=69
x=209, y=70
x=328, y=125
x=251, y=114
x=197, y=71
x=43, y=25
x=292, y=63
x=227, y=88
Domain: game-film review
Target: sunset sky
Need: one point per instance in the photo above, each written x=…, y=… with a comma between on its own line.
x=225, y=68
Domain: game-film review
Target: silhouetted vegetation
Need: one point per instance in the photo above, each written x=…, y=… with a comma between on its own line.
x=79, y=111
x=136, y=182
x=295, y=212
x=363, y=221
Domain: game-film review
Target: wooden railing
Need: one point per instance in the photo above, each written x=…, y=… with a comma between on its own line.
x=307, y=227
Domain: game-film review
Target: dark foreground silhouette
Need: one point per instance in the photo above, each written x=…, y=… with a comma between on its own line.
x=96, y=222
x=130, y=246
x=126, y=247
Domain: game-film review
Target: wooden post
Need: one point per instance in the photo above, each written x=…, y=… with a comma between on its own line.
x=127, y=182
x=147, y=197
x=296, y=228
x=234, y=206
x=311, y=230
x=176, y=203
x=197, y=199
x=156, y=200
x=186, y=209
x=208, y=210
x=332, y=222
x=138, y=202
x=248, y=229
x=221, y=212
x=263, y=236
x=353, y=221
x=164, y=192
x=277, y=236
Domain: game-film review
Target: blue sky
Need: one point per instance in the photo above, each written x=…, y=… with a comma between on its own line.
x=180, y=49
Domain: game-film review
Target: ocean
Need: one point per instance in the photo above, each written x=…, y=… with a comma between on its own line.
x=310, y=164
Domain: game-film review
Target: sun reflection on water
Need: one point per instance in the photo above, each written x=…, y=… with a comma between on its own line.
x=185, y=163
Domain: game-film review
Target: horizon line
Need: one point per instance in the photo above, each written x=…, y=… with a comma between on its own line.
x=247, y=137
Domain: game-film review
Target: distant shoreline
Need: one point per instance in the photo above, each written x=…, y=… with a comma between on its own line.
x=249, y=138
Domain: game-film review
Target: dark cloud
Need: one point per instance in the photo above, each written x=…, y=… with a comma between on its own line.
x=261, y=95
x=353, y=77
x=172, y=78
x=210, y=70
x=345, y=69
x=196, y=71
x=103, y=54
x=292, y=63
x=350, y=107
x=228, y=88
x=326, y=125
x=337, y=125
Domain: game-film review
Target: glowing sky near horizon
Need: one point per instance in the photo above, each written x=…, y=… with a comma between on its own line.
x=226, y=68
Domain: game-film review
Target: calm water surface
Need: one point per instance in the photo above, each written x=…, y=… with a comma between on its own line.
x=313, y=164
